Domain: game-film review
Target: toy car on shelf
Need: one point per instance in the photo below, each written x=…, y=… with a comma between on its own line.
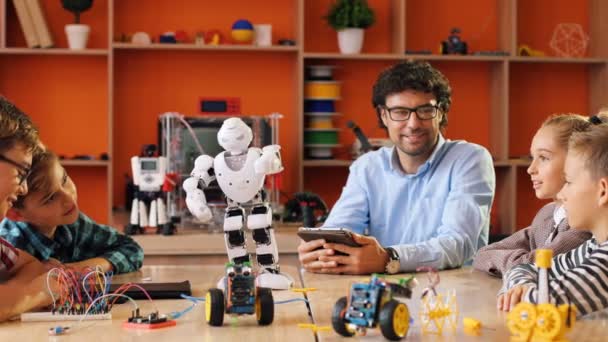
x=454, y=44
x=372, y=304
x=240, y=297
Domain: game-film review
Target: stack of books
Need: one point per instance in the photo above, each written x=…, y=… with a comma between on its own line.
x=33, y=23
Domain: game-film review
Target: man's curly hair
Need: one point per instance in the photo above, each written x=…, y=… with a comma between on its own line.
x=412, y=75
x=16, y=128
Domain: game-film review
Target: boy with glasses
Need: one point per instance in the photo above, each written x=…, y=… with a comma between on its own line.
x=424, y=202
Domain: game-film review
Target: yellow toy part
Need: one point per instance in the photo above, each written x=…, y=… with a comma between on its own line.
x=314, y=327
x=543, y=322
x=472, y=326
x=304, y=289
x=436, y=311
x=521, y=320
x=548, y=322
x=525, y=50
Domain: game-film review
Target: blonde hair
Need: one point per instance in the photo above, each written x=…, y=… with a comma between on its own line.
x=40, y=179
x=592, y=144
x=565, y=125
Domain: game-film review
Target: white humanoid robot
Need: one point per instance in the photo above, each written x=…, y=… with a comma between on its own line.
x=240, y=171
x=149, y=176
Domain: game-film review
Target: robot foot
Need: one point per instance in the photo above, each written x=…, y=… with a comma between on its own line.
x=274, y=280
x=132, y=229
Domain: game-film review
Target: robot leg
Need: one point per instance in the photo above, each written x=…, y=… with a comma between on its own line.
x=267, y=254
x=234, y=235
x=133, y=227
x=165, y=226
x=153, y=212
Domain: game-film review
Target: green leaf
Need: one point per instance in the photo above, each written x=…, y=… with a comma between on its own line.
x=350, y=14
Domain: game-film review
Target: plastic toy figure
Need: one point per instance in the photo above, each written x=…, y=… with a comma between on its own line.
x=371, y=304
x=240, y=173
x=151, y=183
x=241, y=297
x=543, y=321
x=453, y=45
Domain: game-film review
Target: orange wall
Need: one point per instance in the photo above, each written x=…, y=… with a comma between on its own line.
x=539, y=90
x=537, y=20
x=71, y=113
x=428, y=22
x=91, y=183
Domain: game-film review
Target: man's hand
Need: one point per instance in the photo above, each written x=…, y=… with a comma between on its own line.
x=309, y=254
x=368, y=258
x=508, y=300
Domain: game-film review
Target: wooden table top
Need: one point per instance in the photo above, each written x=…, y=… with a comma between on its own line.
x=476, y=298
x=190, y=327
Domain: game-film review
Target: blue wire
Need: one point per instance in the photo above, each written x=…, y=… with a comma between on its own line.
x=176, y=315
x=192, y=299
x=291, y=301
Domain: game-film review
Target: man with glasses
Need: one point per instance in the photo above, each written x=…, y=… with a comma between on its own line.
x=423, y=202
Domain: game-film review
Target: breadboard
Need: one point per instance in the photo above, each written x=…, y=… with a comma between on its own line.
x=51, y=317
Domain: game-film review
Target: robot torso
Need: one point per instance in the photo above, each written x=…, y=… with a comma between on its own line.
x=239, y=185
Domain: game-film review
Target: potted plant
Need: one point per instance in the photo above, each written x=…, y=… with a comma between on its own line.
x=350, y=18
x=77, y=33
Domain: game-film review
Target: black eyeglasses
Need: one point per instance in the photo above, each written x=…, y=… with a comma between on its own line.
x=423, y=112
x=24, y=172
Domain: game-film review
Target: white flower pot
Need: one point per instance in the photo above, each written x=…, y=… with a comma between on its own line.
x=350, y=40
x=78, y=35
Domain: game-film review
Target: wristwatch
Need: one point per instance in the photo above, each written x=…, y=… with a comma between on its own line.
x=393, y=265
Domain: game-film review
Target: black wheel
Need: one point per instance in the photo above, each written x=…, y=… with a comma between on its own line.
x=131, y=229
x=337, y=318
x=394, y=320
x=214, y=307
x=264, y=306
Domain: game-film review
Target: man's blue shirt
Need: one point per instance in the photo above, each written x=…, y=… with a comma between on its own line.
x=437, y=217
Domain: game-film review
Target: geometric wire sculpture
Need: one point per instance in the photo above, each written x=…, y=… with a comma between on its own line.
x=569, y=40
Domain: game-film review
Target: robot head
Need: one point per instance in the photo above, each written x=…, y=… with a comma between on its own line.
x=234, y=135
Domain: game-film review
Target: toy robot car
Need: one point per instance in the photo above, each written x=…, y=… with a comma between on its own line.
x=240, y=297
x=371, y=304
x=454, y=44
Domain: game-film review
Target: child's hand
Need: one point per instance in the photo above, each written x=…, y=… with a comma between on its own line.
x=508, y=300
x=52, y=263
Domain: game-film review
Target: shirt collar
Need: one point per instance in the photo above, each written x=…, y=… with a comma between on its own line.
x=48, y=247
x=395, y=165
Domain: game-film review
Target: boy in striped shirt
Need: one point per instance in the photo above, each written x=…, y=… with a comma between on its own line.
x=579, y=276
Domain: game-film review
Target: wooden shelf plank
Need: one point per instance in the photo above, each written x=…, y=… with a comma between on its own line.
x=326, y=162
x=456, y=58
x=397, y=57
x=226, y=47
x=88, y=163
x=586, y=60
x=54, y=51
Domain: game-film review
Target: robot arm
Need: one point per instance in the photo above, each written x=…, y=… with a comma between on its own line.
x=203, y=170
x=270, y=161
x=195, y=197
x=196, y=201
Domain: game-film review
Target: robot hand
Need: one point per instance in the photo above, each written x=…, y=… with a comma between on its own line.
x=270, y=161
x=202, y=167
x=196, y=201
